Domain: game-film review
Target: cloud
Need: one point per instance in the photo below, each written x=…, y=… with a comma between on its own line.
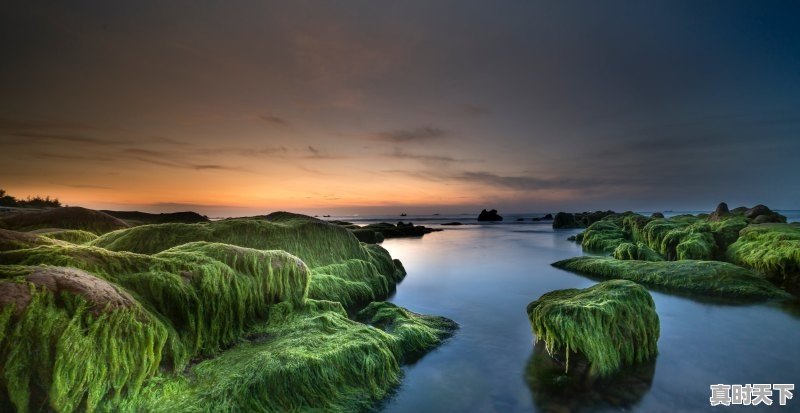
x=274, y=120
x=315, y=153
x=398, y=153
x=474, y=110
x=422, y=134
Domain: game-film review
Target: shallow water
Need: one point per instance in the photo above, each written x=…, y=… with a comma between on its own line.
x=483, y=276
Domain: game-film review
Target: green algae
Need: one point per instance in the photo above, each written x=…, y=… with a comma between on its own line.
x=683, y=237
x=207, y=326
x=59, y=354
x=771, y=249
x=612, y=324
x=63, y=218
x=603, y=236
x=639, y=251
x=319, y=244
x=74, y=236
x=302, y=359
x=709, y=278
x=14, y=240
x=415, y=333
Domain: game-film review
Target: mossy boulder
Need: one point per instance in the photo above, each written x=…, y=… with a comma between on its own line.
x=74, y=236
x=15, y=240
x=638, y=251
x=343, y=269
x=706, y=278
x=88, y=220
x=611, y=324
x=87, y=329
x=771, y=249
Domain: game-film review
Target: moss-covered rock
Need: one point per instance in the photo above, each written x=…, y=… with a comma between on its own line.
x=15, y=240
x=771, y=249
x=87, y=329
x=64, y=218
x=708, y=278
x=638, y=251
x=74, y=236
x=611, y=324
x=343, y=269
x=308, y=359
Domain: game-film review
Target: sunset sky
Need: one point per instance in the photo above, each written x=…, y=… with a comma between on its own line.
x=238, y=107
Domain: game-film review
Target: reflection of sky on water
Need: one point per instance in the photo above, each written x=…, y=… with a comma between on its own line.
x=484, y=276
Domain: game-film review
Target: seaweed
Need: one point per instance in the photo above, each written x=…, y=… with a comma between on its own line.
x=638, y=251
x=772, y=249
x=343, y=269
x=612, y=324
x=709, y=278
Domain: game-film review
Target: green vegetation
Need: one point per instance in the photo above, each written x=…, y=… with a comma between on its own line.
x=683, y=237
x=342, y=268
x=638, y=251
x=13, y=240
x=416, y=333
x=7, y=200
x=772, y=249
x=711, y=278
x=62, y=218
x=603, y=236
x=302, y=359
x=612, y=324
x=206, y=326
x=74, y=236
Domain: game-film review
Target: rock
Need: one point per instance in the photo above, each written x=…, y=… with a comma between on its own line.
x=548, y=217
x=402, y=229
x=655, y=215
x=453, y=223
x=65, y=218
x=564, y=220
x=760, y=214
x=143, y=218
x=489, y=216
x=612, y=324
x=520, y=219
x=720, y=212
x=367, y=235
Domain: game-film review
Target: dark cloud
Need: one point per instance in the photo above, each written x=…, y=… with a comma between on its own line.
x=399, y=153
x=274, y=120
x=423, y=134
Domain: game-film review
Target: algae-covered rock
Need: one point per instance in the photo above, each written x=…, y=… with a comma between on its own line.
x=771, y=249
x=303, y=359
x=709, y=278
x=416, y=333
x=65, y=217
x=86, y=329
x=74, y=236
x=638, y=251
x=611, y=324
x=343, y=269
x=15, y=240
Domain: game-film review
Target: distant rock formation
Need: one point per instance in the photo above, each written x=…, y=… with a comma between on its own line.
x=655, y=215
x=143, y=218
x=489, y=216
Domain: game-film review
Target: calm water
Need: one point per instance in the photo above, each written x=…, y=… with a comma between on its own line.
x=483, y=276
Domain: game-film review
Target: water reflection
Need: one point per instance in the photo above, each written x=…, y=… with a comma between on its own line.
x=553, y=390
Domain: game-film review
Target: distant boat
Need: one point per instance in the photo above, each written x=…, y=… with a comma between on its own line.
x=403, y=214
x=326, y=216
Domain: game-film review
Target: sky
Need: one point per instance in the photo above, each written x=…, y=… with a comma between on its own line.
x=241, y=107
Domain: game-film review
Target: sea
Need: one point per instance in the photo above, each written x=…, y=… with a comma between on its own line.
x=483, y=275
